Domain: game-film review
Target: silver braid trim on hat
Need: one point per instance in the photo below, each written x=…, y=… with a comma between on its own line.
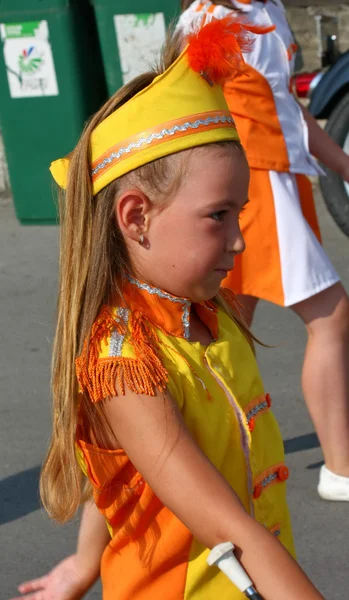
x=147, y=141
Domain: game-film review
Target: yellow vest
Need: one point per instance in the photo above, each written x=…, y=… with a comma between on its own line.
x=219, y=392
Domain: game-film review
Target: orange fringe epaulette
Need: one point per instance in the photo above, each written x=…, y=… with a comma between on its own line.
x=106, y=377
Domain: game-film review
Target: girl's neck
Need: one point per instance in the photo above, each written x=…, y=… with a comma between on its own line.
x=198, y=330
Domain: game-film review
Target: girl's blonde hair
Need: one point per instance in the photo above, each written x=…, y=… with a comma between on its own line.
x=93, y=263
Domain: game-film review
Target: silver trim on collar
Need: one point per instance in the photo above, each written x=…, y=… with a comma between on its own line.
x=157, y=292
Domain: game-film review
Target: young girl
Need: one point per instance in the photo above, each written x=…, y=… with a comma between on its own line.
x=166, y=411
x=284, y=261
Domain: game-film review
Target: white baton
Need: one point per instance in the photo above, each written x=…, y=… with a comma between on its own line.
x=222, y=556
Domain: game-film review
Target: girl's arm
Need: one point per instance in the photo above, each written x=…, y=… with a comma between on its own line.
x=324, y=148
x=72, y=577
x=153, y=434
x=93, y=538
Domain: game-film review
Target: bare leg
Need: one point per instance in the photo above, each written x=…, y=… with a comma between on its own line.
x=325, y=377
x=247, y=307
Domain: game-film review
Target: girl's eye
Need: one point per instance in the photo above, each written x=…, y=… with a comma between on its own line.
x=219, y=215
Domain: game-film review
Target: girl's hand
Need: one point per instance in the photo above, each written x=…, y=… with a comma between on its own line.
x=66, y=581
x=73, y=576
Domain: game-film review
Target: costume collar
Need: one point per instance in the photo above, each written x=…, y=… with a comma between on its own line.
x=167, y=312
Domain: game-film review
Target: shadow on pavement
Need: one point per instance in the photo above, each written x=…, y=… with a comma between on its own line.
x=316, y=465
x=19, y=495
x=301, y=442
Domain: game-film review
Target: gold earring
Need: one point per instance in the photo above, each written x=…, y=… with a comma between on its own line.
x=141, y=239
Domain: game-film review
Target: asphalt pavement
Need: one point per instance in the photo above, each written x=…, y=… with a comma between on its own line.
x=31, y=544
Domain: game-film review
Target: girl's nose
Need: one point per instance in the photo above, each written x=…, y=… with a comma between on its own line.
x=236, y=244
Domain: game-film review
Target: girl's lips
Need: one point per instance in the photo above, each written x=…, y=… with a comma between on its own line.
x=222, y=272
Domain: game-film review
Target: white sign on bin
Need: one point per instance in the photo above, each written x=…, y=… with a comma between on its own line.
x=139, y=38
x=28, y=59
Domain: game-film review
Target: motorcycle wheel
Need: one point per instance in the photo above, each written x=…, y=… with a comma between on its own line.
x=335, y=191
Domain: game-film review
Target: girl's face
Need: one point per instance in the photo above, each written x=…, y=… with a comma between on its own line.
x=192, y=242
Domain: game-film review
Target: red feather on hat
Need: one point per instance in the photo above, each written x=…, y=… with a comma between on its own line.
x=216, y=50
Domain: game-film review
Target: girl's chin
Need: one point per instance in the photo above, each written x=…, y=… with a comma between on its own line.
x=200, y=292
x=221, y=273
x=209, y=292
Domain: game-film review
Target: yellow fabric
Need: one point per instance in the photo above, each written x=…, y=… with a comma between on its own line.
x=81, y=460
x=214, y=388
x=178, y=110
x=231, y=362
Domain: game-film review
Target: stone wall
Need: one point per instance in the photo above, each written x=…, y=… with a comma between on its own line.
x=303, y=23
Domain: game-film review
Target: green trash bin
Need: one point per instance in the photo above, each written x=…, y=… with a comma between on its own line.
x=51, y=81
x=131, y=32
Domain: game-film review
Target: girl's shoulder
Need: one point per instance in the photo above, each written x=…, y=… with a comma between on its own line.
x=128, y=348
x=122, y=350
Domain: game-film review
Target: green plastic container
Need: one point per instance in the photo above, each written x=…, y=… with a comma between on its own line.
x=51, y=81
x=131, y=33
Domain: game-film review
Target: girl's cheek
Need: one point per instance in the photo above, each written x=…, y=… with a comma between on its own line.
x=213, y=228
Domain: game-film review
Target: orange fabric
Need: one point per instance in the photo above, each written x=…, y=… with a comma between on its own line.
x=306, y=198
x=271, y=471
x=257, y=272
x=261, y=482
x=168, y=579
x=210, y=10
x=251, y=102
x=264, y=398
x=146, y=536
x=291, y=50
x=275, y=530
x=167, y=312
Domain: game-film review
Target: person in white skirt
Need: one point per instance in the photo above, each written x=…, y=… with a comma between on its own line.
x=284, y=261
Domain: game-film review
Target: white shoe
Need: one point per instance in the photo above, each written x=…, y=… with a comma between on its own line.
x=332, y=486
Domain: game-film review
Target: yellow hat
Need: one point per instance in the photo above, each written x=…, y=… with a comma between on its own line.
x=182, y=108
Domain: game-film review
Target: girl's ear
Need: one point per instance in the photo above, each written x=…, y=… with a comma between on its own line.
x=132, y=213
